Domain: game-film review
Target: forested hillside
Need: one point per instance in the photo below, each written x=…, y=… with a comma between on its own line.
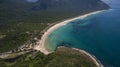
x=20, y=19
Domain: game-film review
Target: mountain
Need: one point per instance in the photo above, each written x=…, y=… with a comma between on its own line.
x=20, y=16
x=71, y=4
x=22, y=8
x=21, y=21
x=56, y=4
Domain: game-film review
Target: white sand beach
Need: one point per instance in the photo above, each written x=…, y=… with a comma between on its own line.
x=41, y=47
x=97, y=62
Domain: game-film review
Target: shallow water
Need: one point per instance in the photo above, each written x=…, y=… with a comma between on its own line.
x=98, y=34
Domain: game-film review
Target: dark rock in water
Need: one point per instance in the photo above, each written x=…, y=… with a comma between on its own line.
x=66, y=44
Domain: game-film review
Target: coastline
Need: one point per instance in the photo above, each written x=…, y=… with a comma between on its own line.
x=41, y=47
x=93, y=58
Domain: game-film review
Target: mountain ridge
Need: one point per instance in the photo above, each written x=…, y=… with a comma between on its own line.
x=57, y=4
x=20, y=16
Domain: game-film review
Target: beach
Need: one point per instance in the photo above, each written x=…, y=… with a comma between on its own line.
x=41, y=47
x=97, y=62
x=94, y=59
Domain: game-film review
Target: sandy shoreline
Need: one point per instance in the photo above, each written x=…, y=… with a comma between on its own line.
x=97, y=62
x=41, y=47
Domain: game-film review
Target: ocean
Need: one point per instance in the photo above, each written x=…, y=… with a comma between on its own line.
x=97, y=34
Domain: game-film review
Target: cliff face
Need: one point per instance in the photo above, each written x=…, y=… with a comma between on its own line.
x=56, y=4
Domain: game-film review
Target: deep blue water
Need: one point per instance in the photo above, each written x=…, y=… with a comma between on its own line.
x=98, y=34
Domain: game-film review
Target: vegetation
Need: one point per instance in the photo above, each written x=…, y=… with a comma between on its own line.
x=20, y=21
x=62, y=57
x=16, y=29
x=18, y=25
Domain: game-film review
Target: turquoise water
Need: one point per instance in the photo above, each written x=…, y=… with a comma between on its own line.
x=98, y=34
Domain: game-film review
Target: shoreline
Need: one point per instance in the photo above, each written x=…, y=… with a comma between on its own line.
x=41, y=47
x=95, y=60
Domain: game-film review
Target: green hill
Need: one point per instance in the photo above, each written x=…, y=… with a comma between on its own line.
x=20, y=19
x=63, y=57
